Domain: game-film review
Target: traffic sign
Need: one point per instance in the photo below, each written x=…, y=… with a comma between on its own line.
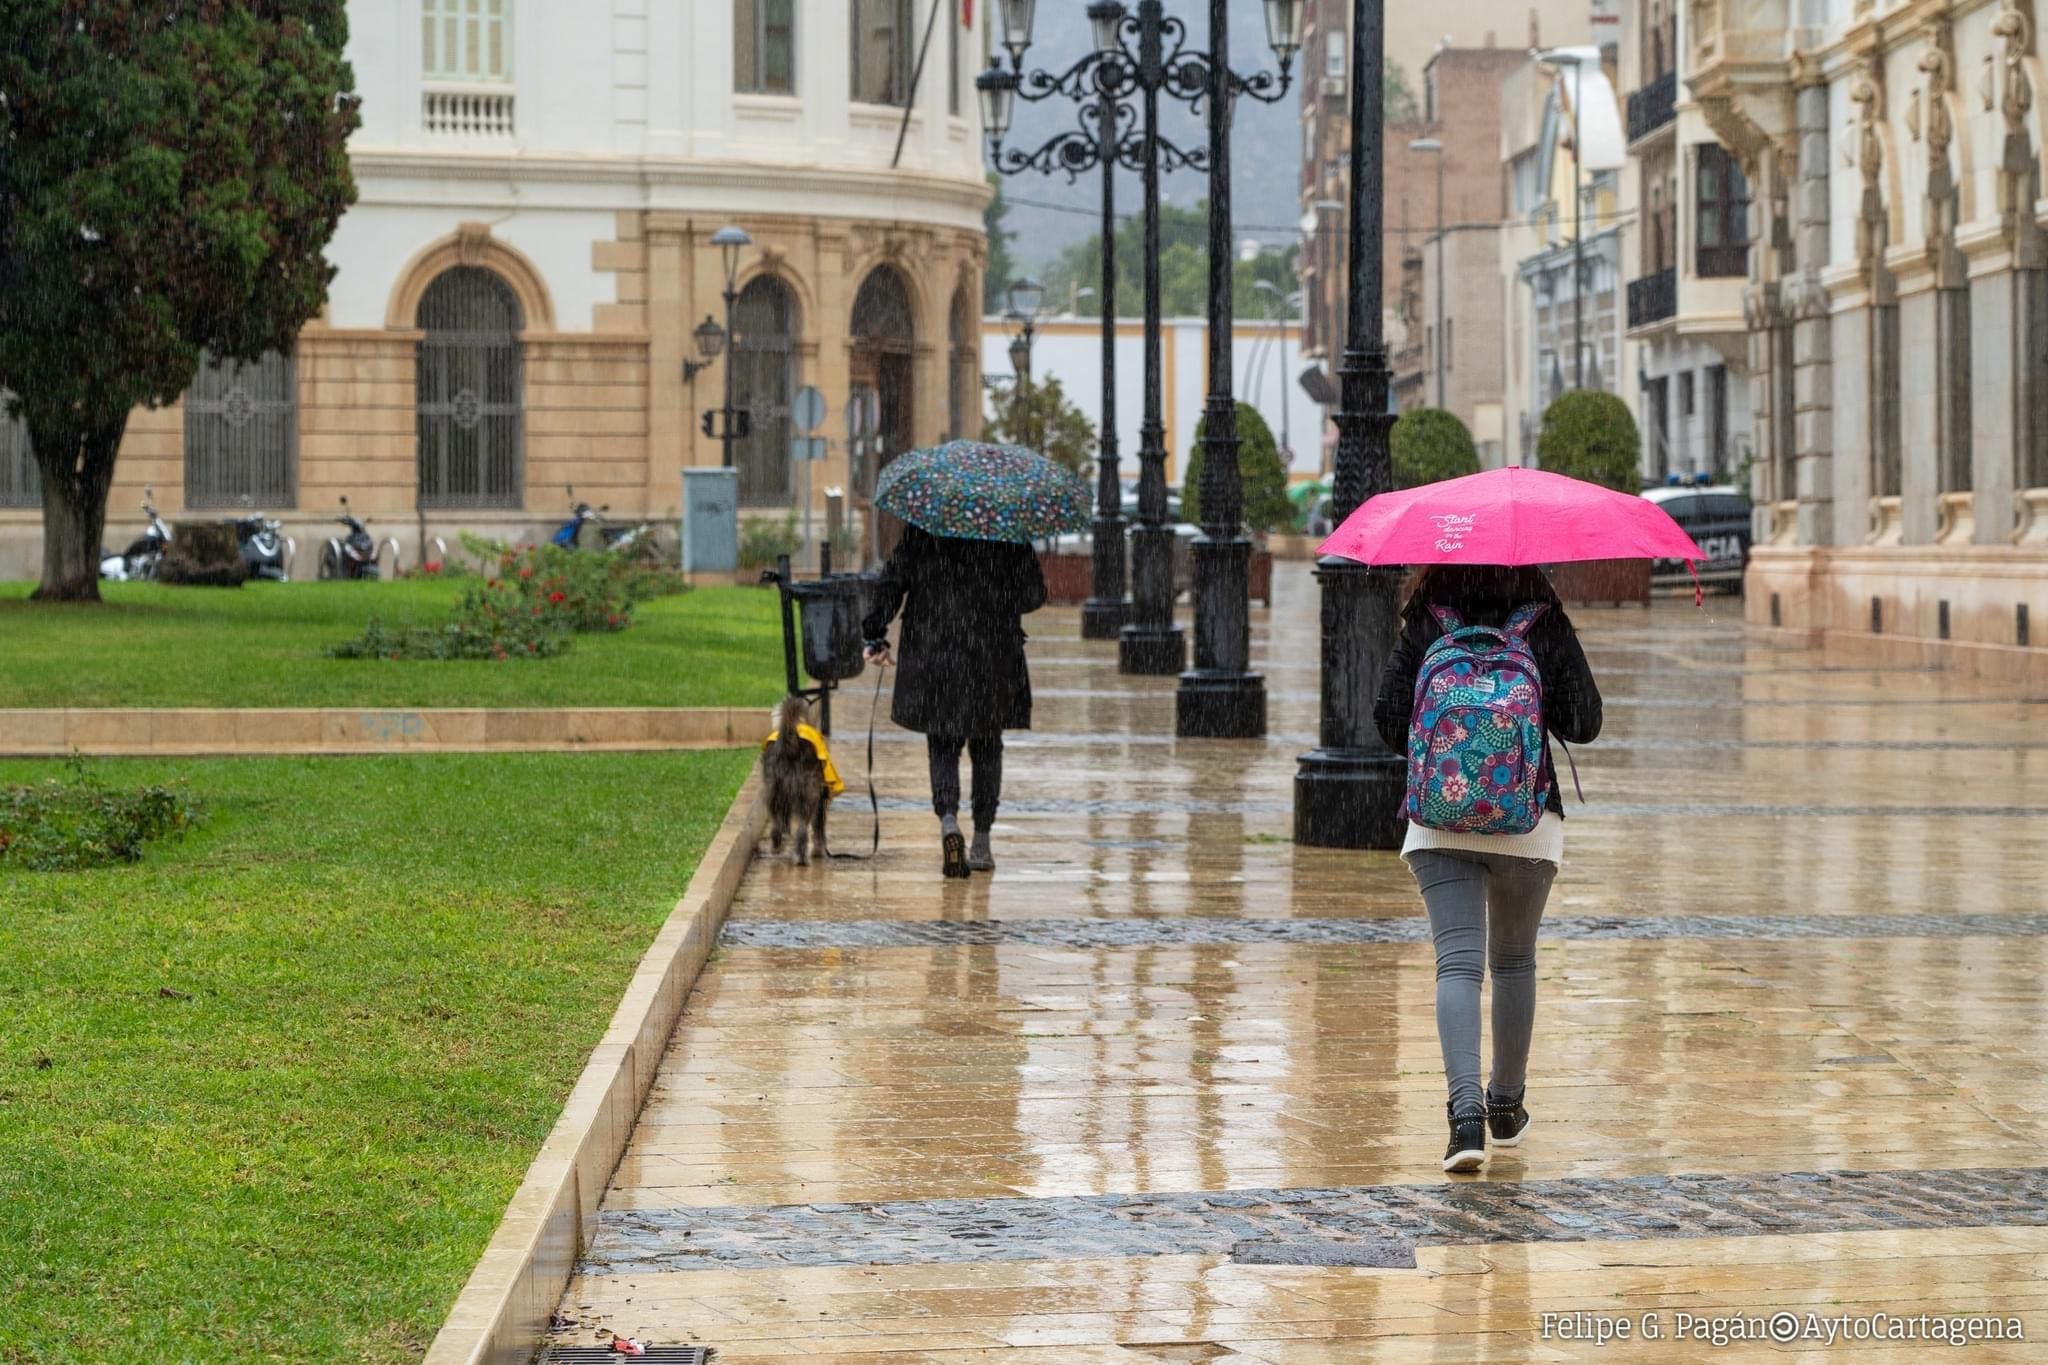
x=807, y=410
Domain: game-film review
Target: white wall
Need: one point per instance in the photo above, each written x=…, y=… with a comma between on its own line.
x=1070, y=350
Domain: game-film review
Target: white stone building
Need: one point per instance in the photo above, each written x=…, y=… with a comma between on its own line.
x=520, y=280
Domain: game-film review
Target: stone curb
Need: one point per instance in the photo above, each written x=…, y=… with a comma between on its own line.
x=502, y=1313
x=194, y=732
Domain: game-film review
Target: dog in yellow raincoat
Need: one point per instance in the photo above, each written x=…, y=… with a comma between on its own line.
x=796, y=768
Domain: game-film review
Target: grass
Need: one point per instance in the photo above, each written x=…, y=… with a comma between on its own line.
x=265, y=1094
x=264, y=645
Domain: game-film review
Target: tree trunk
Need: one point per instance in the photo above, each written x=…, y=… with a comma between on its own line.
x=77, y=469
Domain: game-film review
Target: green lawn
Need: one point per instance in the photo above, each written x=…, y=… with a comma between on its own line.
x=264, y=645
x=264, y=1095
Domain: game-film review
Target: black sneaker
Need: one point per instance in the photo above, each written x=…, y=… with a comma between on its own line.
x=1467, y=1150
x=1506, y=1120
x=955, y=853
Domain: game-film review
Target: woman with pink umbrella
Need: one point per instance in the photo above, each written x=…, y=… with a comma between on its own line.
x=1486, y=670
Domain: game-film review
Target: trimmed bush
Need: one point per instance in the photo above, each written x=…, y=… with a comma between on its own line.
x=63, y=826
x=1266, y=507
x=1590, y=435
x=763, y=540
x=1430, y=445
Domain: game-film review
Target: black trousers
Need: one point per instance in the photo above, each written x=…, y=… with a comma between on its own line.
x=987, y=753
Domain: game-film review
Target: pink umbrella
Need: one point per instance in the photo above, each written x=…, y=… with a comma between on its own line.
x=1509, y=516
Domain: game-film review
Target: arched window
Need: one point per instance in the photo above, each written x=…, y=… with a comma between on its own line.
x=242, y=434
x=961, y=345
x=470, y=392
x=884, y=338
x=21, y=484
x=764, y=328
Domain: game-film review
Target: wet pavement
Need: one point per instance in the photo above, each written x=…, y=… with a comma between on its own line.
x=1166, y=1088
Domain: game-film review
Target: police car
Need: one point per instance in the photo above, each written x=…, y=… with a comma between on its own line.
x=1717, y=518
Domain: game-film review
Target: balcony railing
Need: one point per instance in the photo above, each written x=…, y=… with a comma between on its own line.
x=1653, y=106
x=1653, y=298
x=468, y=113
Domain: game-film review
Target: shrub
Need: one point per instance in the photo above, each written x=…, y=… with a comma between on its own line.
x=1430, y=445
x=1590, y=435
x=1039, y=417
x=203, y=554
x=542, y=595
x=763, y=541
x=58, y=826
x=1266, y=507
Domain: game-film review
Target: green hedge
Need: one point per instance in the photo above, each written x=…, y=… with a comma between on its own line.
x=1590, y=435
x=1430, y=445
x=1266, y=507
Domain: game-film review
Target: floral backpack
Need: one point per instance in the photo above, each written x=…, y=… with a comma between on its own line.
x=1475, y=743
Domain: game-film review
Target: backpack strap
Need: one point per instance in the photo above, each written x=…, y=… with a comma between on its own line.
x=1448, y=619
x=1524, y=617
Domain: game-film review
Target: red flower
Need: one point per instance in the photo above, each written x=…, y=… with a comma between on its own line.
x=536, y=609
x=526, y=572
x=557, y=596
x=491, y=583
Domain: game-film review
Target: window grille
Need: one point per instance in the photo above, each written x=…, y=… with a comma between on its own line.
x=470, y=420
x=242, y=434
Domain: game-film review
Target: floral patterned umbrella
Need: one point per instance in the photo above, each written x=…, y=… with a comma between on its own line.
x=974, y=490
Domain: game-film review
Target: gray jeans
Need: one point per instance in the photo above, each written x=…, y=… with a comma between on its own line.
x=1483, y=911
x=944, y=754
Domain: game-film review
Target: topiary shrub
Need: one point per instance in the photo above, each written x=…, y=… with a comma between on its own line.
x=1266, y=507
x=1430, y=445
x=1590, y=435
x=203, y=554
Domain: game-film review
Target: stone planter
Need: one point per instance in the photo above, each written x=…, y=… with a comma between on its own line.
x=1261, y=574
x=1069, y=578
x=1595, y=581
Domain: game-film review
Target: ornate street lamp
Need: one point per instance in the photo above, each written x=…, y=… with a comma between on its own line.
x=1347, y=791
x=710, y=344
x=1221, y=698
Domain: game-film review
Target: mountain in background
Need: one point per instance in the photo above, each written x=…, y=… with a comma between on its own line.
x=1049, y=214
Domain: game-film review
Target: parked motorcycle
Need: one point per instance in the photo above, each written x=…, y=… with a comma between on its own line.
x=266, y=549
x=570, y=536
x=145, y=554
x=355, y=554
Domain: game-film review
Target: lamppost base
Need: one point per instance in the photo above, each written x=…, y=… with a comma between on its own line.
x=1103, y=620
x=1349, y=798
x=1152, y=651
x=1211, y=704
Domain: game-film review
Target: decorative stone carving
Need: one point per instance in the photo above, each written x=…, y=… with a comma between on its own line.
x=1938, y=64
x=2014, y=32
x=1866, y=154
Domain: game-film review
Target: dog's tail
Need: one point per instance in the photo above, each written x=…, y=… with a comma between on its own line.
x=788, y=717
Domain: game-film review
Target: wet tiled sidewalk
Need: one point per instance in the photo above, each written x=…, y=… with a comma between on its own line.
x=1130, y=1098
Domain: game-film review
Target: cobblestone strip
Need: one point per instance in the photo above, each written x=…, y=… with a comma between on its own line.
x=1305, y=1220
x=1191, y=932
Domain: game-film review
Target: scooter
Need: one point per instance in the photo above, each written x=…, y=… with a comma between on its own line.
x=265, y=548
x=145, y=554
x=570, y=536
x=355, y=554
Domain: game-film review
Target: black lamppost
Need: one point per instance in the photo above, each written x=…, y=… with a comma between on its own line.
x=1026, y=298
x=1347, y=791
x=1142, y=53
x=1221, y=698
x=1102, y=85
x=724, y=422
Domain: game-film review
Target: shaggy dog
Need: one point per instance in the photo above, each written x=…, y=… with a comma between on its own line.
x=797, y=771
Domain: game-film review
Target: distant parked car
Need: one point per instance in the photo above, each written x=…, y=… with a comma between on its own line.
x=1717, y=518
x=1082, y=542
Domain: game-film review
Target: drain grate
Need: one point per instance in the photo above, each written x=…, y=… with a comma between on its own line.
x=605, y=1355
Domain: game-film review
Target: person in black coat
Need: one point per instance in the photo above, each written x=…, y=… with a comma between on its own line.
x=963, y=679
x=1485, y=893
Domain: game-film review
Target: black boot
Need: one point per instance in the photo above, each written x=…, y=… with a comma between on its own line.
x=1506, y=1119
x=955, y=853
x=1467, y=1150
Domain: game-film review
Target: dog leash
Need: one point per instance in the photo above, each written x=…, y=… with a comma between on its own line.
x=874, y=802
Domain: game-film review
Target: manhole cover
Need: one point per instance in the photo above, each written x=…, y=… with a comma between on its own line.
x=605, y=1355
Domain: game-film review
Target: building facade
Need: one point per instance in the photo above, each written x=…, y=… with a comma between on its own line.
x=1896, y=311
x=1456, y=59
x=1560, y=281
x=1685, y=200
x=1464, y=262
x=519, y=283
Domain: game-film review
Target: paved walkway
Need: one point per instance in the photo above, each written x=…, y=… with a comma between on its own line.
x=1166, y=1088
